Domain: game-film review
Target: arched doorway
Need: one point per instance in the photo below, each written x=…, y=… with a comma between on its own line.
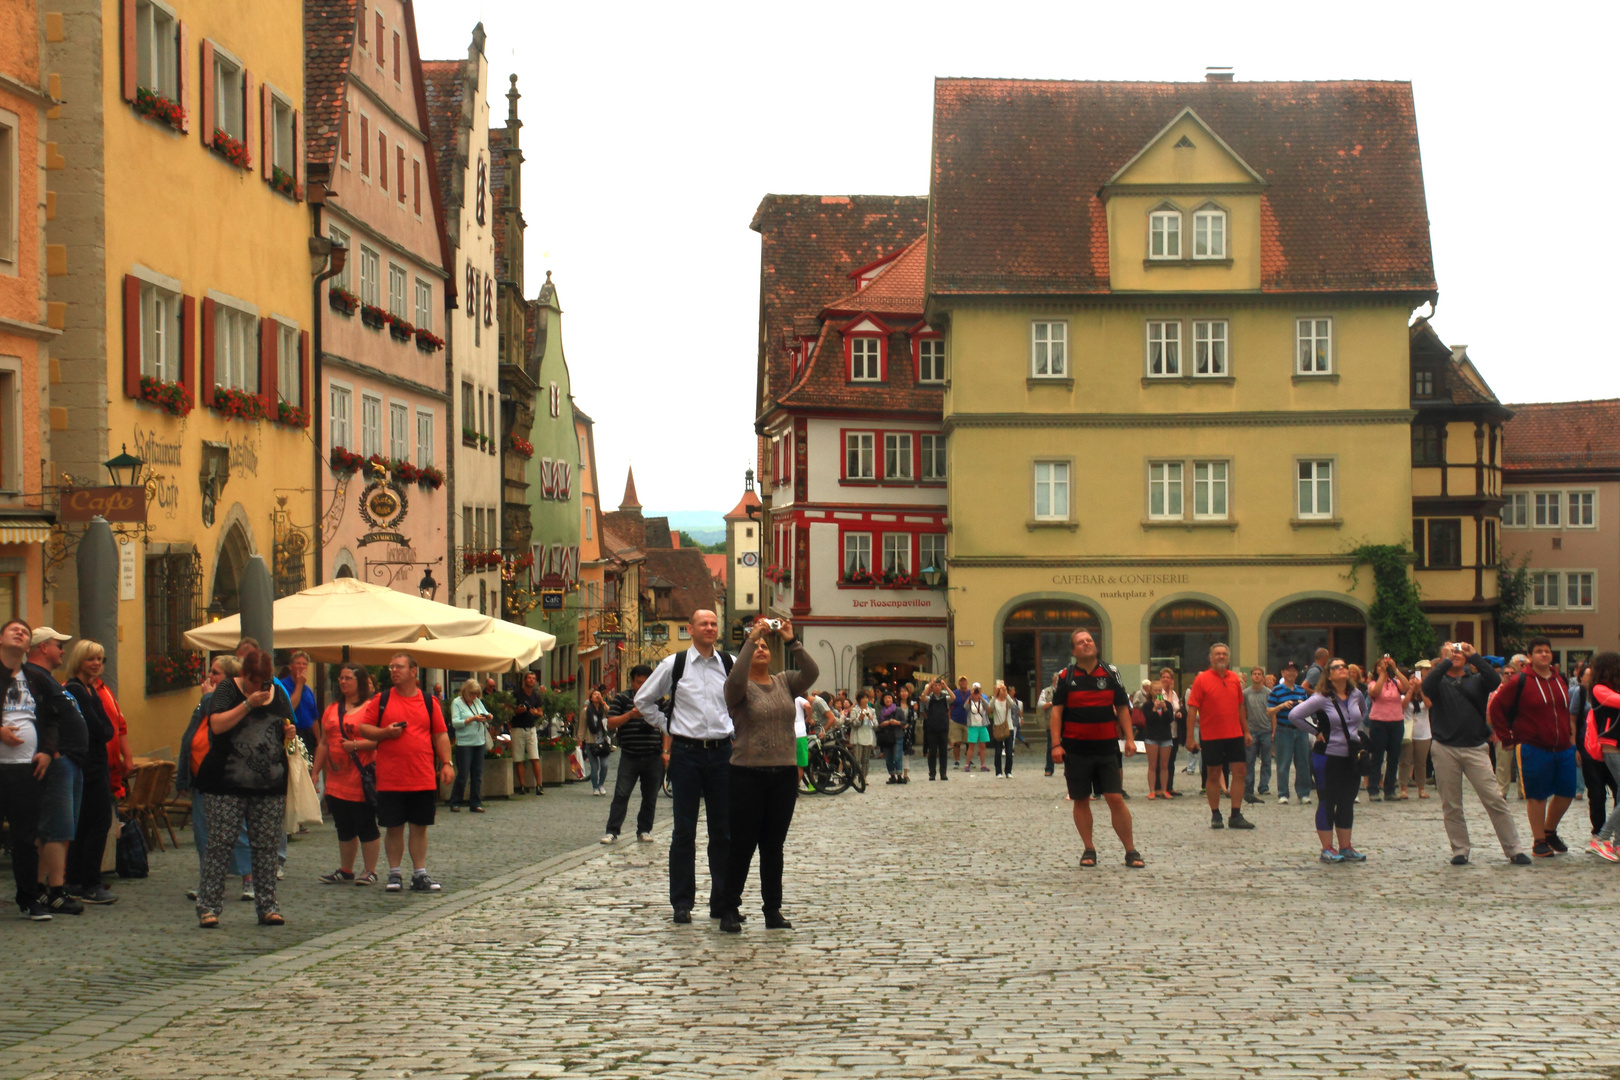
x=1180, y=635
x=1295, y=631
x=892, y=663
x=1035, y=643
x=226, y=596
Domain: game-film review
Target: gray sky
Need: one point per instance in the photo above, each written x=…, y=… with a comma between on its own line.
x=652, y=131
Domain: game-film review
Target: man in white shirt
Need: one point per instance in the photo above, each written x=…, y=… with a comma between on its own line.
x=697, y=756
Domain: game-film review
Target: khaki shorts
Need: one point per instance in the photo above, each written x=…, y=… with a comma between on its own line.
x=959, y=733
x=525, y=744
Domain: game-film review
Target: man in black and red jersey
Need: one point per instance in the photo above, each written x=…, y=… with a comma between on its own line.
x=1091, y=715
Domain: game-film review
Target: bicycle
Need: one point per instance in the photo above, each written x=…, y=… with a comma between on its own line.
x=831, y=769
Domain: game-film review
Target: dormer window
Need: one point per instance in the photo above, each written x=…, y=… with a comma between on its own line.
x=1209, y=234
x=1164, y=234
x=865, y=359
x=1423, y=383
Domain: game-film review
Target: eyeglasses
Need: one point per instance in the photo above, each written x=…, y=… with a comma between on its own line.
x=1337, y=667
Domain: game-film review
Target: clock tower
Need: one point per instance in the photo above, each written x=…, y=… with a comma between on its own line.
x=744, y=581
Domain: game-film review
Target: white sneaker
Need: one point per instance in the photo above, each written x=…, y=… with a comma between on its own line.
x=607, y=838
x=1282, y=800
x=645, y=837
x=1358, y=798
x=1304, y=800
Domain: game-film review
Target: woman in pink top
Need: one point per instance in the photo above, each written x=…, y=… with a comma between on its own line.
x=1387, y=727
x=340, y=753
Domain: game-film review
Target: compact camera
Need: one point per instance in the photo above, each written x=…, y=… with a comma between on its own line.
x=772, y=624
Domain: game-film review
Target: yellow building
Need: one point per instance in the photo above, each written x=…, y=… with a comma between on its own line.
x=1176, y=318
x=179, y=224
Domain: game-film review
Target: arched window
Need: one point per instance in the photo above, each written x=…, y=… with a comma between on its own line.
x=1180, y=635
x=1209, y=233
x=1297, y=630
x=1164, y=233
x=1036, y=643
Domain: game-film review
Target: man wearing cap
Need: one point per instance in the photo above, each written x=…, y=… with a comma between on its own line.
x=63, y=788
x=1293, y=745
x=83, y=868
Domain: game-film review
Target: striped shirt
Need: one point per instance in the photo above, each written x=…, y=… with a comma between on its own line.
x=1286, y=696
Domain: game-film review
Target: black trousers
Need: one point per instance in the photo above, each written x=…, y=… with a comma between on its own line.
x=19, y=805
x=762, y=802
x=1599, y=785
x=1004, y=748
x=1387, y=736
x=699, y=775
x=95, y=820
x=937, y=746
x=646, y=770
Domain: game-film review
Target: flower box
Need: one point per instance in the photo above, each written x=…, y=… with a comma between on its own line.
x=429, y=478
x=159, y=108
x=342, y=301
x=172, y=398
x=428, y=341
x=778, y=576
x=373, y=316
x=282, y=181
x=231, y=149
x=238, y=404
x=345, y=462
x=178, y=671
x=860, y=579
x=469, y=437
x=291, y=415
x=404, y=471
x=400, y=329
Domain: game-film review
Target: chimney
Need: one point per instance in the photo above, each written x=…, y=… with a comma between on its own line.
x=1218, y=74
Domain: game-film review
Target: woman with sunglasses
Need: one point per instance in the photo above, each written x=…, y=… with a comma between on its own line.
x=1340, y=717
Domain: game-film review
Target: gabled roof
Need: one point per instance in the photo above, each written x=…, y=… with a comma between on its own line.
x=329, y=27
x=1017, y=163
x=1188, y=114
x=687, y=576
x=445, y=83
x=718, y=566
x=1562, y=435
x=1460, y=382
x=740, y=511
x=896, y=291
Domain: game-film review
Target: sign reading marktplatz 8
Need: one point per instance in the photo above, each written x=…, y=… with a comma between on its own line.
x=115, y=504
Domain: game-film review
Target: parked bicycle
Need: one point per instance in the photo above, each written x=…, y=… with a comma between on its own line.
x=832, y=769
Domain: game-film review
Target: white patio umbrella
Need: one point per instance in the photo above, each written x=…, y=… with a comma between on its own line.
x=503, y=647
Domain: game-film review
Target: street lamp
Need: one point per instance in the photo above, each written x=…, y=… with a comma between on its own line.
x=124, y=468
x=932, y=576
x=427, y=587
x=216, y=610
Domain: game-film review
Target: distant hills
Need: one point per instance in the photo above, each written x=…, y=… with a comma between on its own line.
x=704, y=526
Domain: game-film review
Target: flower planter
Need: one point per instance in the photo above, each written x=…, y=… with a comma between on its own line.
x=159, y=108
x=428, y=341
x=497, y=781
x=343, y=303
x=231, y=149
x=553, y=767
x=374, y=317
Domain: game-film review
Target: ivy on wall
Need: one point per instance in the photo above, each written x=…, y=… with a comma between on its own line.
x=1396, y=613
x=1513, y=595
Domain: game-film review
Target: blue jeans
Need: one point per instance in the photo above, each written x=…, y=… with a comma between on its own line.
x=241, y=855
x=598, y=768
x=1259, y=750
x=469, y=775
x=1293, y=751
x=698, y=774
x=895, y=757
x=61, y=794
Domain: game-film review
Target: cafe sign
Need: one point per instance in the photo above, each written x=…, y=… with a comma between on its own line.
x=116, y=504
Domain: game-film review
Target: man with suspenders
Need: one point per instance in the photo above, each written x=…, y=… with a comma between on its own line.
x=697, y=755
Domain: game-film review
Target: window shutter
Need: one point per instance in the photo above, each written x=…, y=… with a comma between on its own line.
x=128, y=49
x=303, y=371
x=132, y=335
x=396, y=56
x=343, y=134
x=399, y=171
x=205, y=367
x=205, y=106
x=188, y=343
x=362, y=25
x=365, y=146
x=247, y=114
x=268, y=334
x=182, y=49
x=298, y=153
x=266, y=130
x=416, y=186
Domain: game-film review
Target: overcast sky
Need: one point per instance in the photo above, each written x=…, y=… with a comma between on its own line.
x=652, y=130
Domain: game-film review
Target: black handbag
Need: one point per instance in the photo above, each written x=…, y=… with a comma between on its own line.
x=1360, y=746
x=367, y=770
x=129, y=851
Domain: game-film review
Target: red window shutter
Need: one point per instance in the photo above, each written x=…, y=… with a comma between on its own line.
x=378, y=44
x=268, y=334
x=128, y=49
x=399, y=170
x=343, y=133
x=132, y=335
x=382, y=161
x=247, y=114
x=188, y=343
x=182, y=48
x=205, y=104
x=266, y=130
x=303, y=371
x=416, y=186
x=205, y=367
x=365, y=147
x=396, y=56
x=298, y=153
x=362, y=25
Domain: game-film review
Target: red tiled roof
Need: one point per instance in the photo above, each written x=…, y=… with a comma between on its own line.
x=1016, y=163
x=898, y=290
x=497, y=198
x=808, y=246
x=717, y=567
x=1562, y=435
x=329, y=27
x=445, y=82
x=414, y=52
x=687, y=571
x=740, y=511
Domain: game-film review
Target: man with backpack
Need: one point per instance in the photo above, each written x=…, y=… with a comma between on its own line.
x=408, y=727
x=1461, y=733
x=1530, y=715
x=641, y=749
x=697, y=754
x=1091, y=728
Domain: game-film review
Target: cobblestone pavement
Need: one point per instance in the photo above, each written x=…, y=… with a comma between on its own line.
x=941, y=930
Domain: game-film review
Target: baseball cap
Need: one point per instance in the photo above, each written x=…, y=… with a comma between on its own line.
x=976, y=686
x=1289, y=665
x=46, y=633
x=1425, y=664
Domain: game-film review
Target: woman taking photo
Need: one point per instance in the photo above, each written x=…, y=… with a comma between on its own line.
x=1162, y=710
x=596, y=742
x=1415, y=765
x=341, y=754
x=244, y=778
x=469, y=720
x=764, y=777
x=891, y=738
x=863, y=731
x=83, y=879
x=1340, y=719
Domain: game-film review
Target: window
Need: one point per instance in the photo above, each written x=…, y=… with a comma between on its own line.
x=1164, y=234
x=378, y=52
x=896, y=553
x=236, y=349
x=1548, y=507
x=1049, y=350
x=858, y=456
x=365, y=146
x=1423, y=383
x=281, y=135
x=933, y=457
x=399, y=438
x=341, y=239
x=1445, y=544
x=1209, y=489
x=172, y=587
x=370, y=277
x=1209, y=347
x=370, y=425
x=229, y=88
x=342, y=407
x=865, y=359
x=1164, y=348
x=931, y=360
x=399, y=171
x=1315, y=489
x=931, y=551
x=1164, y=489
x=1052, y=491
x=1315, y=355
x=382, y=160
x=1417, y=544
x=289, y=369
x=1578, y=589
x=1428, y=444
x=1582, y=509
x=469, y=409
x=897, y=456
x=424, y=305
x=11, y=479
x=1515, y=510
x=155, y=50
x=424, y=438
x=160, y=333
x=1544, y=589
x=857, y=553
x=1209, y=234
x=10, y=205
x=1491, y=558
x=396, y=291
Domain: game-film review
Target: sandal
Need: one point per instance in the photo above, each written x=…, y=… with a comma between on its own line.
x=1134, y=860
x=1422, y=794
x=208, y=921
x=272, y=919
x=1088, y=857
x=1402, y=797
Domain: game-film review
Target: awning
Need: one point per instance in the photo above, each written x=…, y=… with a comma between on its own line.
x=25, y=531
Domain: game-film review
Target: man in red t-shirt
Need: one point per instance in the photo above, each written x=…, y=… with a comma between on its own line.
x=1090, y=728
x=411, y=736
x=1215, y=722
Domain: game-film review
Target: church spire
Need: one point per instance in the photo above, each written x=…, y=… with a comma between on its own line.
x=630, y=502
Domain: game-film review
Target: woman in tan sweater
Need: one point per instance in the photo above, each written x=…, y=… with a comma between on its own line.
x=764, y=768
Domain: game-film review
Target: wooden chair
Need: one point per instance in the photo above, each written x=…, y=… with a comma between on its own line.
x=147, y=791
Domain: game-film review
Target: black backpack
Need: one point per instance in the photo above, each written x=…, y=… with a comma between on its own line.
x=666, y=704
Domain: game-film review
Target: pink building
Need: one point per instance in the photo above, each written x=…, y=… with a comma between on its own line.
x=382, y=414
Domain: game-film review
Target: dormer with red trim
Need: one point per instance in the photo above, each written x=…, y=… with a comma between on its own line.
x=927, y=354
x=863, y=276
x=866, y=350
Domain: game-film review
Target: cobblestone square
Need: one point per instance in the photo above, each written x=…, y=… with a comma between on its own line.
x=940, y=930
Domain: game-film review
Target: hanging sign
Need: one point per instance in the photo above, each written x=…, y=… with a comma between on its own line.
x=125, y=504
